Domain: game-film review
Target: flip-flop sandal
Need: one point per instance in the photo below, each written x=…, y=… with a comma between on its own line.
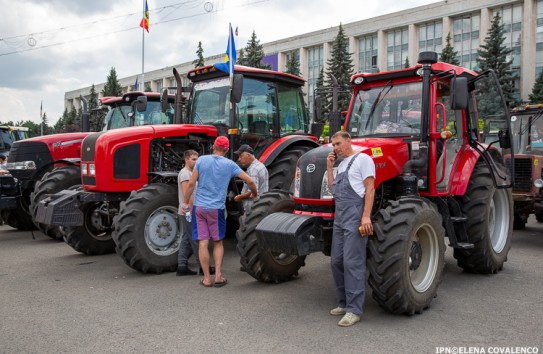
x=204, y=284
x=222, y=283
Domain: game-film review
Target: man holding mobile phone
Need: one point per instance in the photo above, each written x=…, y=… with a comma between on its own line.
x=353, y=190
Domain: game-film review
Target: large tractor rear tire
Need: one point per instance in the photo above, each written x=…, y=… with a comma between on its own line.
x=281, y=170
x=489, y=213
x=263, y=265
x=406, y=256
x=146, y=230
x=53, y=182
x=92, y=238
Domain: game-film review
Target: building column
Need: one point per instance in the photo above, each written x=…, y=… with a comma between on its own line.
x=355, y=50
x=486, y=20
x=326, y=55
x=304, y=66
x=413, y=44
x=528, y=49
x=447, y=28
x=381, y=50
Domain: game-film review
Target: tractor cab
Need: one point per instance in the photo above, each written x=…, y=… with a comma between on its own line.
x=265, y=105
x=137, y=109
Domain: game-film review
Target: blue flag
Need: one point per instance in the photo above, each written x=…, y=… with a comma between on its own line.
x=136, y=84
x=230, y=56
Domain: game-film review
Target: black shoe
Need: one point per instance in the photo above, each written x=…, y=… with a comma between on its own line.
x=185, y=271
x=211, y=270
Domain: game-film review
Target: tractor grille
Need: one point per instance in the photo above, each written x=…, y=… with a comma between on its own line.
x=523, y=174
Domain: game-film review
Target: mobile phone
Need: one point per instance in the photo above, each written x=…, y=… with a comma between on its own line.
x=335, y=154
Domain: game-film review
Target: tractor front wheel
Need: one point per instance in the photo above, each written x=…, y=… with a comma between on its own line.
x=94, y=236
x=406, y=256
x=53, y=182
x=146, y=232
x=264, y=265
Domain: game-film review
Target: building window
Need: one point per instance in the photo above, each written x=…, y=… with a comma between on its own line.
x=397, y=46
x=512, y=25
x=539, y=39
x=431, y=37
x=159, y=85
x=466, y=39
x=315, y=62
x=367, y=54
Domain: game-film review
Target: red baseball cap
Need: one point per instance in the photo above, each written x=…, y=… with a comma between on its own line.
x=222, y=142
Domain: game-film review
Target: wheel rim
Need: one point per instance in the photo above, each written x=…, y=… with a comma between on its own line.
x=94, y=223
x=161, y=231
x=423, y=258
x=283, y=258
x=498, y=220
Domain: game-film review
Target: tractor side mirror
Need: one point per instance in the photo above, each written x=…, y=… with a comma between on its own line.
x=505, y=142
x=141, y=104
x=459, y=91
x=237, y=88
x=317, y=108
x=164, y=100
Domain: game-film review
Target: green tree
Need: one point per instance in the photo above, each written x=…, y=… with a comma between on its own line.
x=293, y=63
x=253, y=55
x=448, y=54
x=537, y=92
x=493, y=54
x=406, y=63
x=341, y=66
x=112, y=86
x=148, y=87
x=96, y=116
x=199, y=61
x=44, y=124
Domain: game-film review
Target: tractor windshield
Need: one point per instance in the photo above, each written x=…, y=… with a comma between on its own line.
x=387, y=110
x=120, y=116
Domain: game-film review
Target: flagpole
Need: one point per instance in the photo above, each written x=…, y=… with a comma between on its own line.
x=143, y=52
x=230, y=61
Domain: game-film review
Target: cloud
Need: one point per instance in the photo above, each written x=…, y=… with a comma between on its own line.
x=84, y=39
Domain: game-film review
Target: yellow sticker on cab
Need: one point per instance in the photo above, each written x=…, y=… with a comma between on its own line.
x=376, y=152
x=536, y=162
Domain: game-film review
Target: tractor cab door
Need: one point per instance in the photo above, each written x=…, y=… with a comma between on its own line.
x=489, y=127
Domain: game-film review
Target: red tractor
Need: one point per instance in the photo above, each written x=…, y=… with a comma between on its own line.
x=527, y=127
x=48, y=164
x=131, y=174
x=431, y=182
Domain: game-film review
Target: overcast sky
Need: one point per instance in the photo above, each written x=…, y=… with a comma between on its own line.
x=48, y=47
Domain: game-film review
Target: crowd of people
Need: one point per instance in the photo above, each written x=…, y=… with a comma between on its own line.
x=202, y=189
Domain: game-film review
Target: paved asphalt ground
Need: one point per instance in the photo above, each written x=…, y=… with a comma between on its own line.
x=54, y=300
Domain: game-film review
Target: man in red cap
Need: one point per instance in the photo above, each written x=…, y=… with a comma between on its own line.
x=213, y=174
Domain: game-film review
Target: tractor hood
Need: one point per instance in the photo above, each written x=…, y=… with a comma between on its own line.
x=119, y=160
x=388, y=154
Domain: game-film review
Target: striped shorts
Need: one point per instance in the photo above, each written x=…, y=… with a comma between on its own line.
x=210, y=224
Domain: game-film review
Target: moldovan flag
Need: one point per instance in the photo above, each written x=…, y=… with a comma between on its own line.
x=145, y=20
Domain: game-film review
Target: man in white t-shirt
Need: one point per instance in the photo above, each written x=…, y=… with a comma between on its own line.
x=187, y=244
x=353, y=190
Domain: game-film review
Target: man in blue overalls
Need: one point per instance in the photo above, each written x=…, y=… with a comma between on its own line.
x=353, y=190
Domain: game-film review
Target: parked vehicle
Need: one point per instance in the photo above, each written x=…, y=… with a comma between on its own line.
x=431, y=182
x=527, y=127
x=48, y=164
x=129, y=198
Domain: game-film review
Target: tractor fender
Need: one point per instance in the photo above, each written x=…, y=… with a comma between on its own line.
x=72, y=161
x=272, y=151
x=463, y=170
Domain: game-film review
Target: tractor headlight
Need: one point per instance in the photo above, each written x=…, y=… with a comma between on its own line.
x=92, y=170
x=22, y=165
x=326, y=190
x=84, y=171
x=297, y=180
